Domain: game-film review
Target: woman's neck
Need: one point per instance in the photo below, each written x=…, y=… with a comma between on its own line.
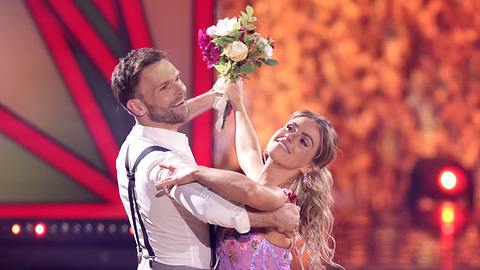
x=273, y=174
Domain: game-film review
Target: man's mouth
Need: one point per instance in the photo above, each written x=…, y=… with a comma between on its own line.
x=178, y=104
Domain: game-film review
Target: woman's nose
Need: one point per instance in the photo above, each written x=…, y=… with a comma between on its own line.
x=289, y=136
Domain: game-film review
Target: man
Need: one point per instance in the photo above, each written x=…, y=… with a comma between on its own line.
x=171, y=230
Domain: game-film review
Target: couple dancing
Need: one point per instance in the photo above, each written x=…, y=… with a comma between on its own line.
x=285, y=195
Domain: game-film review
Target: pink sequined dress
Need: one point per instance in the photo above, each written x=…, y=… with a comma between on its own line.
x=251, y=251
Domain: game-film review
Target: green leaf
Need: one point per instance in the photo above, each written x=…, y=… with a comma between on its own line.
x=228, y=67
x=247, y=68
x=244, y=16
x=249, y=11
x=222, y=41
x=236, y=34
x=254, y=53
x=252, y=19
x=220, y=68
x=243, y=21
x=271, y=62
x=251, y=27
x=257, y=63
x=236, y=26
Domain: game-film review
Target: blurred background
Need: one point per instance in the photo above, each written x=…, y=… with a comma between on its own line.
x=399, y=80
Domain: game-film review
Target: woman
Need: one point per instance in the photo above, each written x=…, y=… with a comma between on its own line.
x=294, y=171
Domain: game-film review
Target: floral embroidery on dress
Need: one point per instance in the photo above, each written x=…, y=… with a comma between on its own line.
x=251, y=251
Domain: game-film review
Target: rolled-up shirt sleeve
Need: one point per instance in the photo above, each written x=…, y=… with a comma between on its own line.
x=203, y=203
x=211, y=207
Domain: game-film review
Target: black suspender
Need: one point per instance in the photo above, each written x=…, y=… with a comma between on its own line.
x=132, y=198
x=135, y=210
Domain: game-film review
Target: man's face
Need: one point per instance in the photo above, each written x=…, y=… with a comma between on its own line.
x=163, y=93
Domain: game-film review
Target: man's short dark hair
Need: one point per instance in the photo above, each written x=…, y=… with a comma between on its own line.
x=126, y=76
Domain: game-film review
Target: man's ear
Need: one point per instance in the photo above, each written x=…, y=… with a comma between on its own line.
x=136, y=107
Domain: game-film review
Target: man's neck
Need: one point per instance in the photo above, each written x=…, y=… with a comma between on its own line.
x=150, y=123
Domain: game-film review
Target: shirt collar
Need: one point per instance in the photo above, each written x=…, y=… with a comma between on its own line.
x=160, y=136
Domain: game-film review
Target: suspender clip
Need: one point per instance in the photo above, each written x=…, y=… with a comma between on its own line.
x=131, y=176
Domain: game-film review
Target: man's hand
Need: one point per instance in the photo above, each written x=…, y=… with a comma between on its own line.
x=287, y=219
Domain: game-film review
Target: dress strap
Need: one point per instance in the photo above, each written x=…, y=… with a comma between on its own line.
x=292, y=197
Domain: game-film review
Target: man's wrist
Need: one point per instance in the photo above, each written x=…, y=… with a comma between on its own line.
x=198, y=175
x=262, y=219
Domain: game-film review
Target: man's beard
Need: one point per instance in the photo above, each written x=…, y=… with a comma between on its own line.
x=165, y=115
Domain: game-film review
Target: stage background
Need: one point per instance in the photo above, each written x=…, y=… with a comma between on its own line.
x=399, y=80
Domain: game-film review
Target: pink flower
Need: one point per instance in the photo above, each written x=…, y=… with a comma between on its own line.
x=257, y=238
x=210, y=53
x=243, y=246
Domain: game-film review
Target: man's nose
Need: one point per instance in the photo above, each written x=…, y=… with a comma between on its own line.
x=180, y=88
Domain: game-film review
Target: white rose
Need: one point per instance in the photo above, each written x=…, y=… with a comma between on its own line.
x=268, y=52
x=237, y=51
x=225, y=26
x=267, y=49
x=212, y=31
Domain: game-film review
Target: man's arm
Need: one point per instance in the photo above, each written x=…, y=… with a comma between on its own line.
x=201, y=202
x=231, y=185
x=285, y=219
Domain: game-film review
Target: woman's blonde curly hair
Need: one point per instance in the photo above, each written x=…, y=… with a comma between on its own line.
x=314, y=196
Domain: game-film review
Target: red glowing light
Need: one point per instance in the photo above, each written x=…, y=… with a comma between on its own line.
x=131, y=231
x=448, y=180
x=447, y=213
x=40, y=230
x=16, y=229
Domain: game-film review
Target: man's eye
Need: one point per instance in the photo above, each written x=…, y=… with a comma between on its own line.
x=177, y=79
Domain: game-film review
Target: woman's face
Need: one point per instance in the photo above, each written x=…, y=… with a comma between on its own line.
x=296, y=144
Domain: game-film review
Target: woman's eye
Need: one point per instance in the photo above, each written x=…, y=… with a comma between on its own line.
x=289, y=128
x=304, y=142
x=177, y=79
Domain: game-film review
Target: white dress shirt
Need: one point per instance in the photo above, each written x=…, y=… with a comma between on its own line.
x=176, y=223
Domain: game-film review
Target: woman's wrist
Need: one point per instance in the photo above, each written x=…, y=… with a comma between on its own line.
x=239, y=107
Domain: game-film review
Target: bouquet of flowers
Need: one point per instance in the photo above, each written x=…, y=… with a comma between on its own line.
x=234, y=49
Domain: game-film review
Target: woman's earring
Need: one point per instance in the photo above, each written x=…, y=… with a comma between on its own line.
x=305, y=178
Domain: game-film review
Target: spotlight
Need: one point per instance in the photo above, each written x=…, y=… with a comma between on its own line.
x=452, y=217
x=53, y=229
x=440, y=179
x=100, y=228
x=441, y=194
x=16, y=229
x=124, y=228
x=40, y=230
x=77, y=228
x=88, y=228
x=29, y=227
x=65, y=227
x=112, y=228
